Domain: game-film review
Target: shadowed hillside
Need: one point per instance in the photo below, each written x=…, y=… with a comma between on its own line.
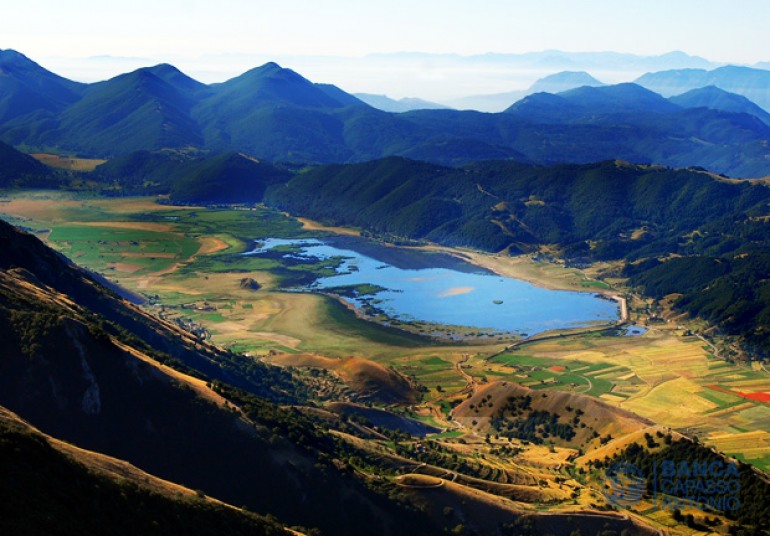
x=719, y=99
x=29, y=260
x=188, y=178
x=50, y=487
x=79, y=376
x=18, y=170
x=498, y=205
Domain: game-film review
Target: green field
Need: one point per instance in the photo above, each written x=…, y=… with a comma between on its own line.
x=542, y=373
x=189, y=260
x=100, y=248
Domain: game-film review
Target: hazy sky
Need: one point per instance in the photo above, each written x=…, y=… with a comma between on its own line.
x=184, y=32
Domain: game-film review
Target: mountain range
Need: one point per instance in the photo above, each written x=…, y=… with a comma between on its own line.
x=553, y=83
x=718, y=99
x=406, y=104
x=493, y=73
x=275, y=114
x=751, y=83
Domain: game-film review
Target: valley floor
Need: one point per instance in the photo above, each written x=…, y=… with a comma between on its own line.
x=176, y=259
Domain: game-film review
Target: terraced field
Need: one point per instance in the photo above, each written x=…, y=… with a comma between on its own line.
x=668, y=378
x=186, y=261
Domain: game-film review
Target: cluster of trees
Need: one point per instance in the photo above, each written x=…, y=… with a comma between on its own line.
x=537, y=427
x=335, y=458
x=731, y=291
x=607, y=210
x=516, y=418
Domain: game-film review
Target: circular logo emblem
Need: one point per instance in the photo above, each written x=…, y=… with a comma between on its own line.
x=624, y=485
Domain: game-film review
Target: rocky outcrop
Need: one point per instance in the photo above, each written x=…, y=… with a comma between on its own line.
x=250, y=284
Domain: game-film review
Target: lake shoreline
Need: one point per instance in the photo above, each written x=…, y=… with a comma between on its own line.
x=443, y=328
x=508, y=266
x=514, y=271
x=496, y=264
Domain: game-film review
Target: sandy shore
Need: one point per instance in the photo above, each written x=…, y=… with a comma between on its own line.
x=524, y=268
x=311, y=225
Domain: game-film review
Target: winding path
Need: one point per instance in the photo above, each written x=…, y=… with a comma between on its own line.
x=590, y=384
x=471, y=383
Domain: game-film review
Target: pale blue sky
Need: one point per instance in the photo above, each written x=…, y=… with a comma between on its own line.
x=184, y=31
x=732, y=30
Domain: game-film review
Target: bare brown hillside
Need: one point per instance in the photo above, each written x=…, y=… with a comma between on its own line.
x=564, y=418
x=370, y=380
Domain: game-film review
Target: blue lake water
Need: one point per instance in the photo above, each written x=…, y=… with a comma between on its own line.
x=633, y=330
x=442, y=289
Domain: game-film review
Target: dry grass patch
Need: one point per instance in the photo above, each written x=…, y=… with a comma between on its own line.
x=132, y=205
x=211, y=245
x=366, y=377
x=755, y=440
x=522, y=267
x=38, y=208
x=66, y=162
x=616, y=446
x=126, y=268
x=310, y=225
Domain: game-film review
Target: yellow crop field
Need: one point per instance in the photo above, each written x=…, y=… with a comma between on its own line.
x=673, y=403
x=662, y=375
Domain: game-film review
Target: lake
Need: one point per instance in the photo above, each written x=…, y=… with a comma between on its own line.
x=397, y=285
